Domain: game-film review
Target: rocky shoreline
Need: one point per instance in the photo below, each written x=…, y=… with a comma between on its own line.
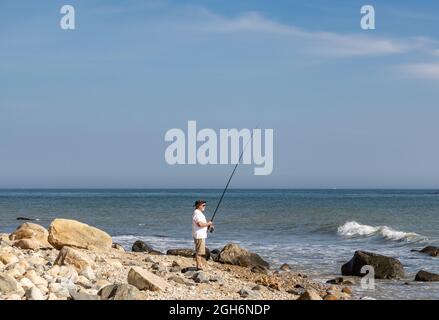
x=74, y=261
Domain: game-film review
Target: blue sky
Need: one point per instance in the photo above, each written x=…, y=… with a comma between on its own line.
x=90, y=107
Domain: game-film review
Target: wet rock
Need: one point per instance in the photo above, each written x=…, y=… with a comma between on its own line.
x=341, y=281
x=141, y=246
x=235, y=255
x=347, y=290
x=385, y=267
x=121, y=292
x=431, y=250
x=426, y=276
x=145, y=280
x=285, y=267
x=63, y=232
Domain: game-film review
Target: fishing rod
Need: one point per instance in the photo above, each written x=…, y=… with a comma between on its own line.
x=230, y=179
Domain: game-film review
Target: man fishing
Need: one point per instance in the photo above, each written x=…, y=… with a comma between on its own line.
x=199, y=231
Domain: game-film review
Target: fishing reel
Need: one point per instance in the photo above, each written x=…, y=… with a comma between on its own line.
x=211, y=229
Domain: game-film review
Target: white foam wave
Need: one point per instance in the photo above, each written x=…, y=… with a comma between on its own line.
x=355, y=229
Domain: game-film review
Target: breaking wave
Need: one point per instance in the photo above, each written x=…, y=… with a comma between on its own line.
x=353, y=229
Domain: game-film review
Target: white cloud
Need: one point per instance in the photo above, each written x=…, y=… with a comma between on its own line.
x=423, y=70
x=328, y=43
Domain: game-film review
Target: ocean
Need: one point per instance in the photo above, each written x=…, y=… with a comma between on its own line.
x=315, y=231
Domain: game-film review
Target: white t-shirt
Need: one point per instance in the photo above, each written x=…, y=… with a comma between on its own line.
x=198, y=232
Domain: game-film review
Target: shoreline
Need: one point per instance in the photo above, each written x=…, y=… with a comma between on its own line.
x=69, y=272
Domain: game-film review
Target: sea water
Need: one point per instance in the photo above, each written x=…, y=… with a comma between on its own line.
x=315, y=231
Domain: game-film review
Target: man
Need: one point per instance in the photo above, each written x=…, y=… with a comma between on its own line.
x=199, y=231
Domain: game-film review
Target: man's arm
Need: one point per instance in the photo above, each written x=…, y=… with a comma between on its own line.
x=204, y=224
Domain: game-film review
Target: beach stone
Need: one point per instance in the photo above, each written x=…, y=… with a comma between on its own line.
x=83, y=282
x=8, y=284
x=346, y=290
x=83, y=296
x=13, y=296
x=88, y=273
x=72, y=233
x=310, y=294
x=330, y=297
x=251, y=294
x=200, y=277
x=35, y=278
x=285, y=267
x=341, y=281
x=30, y=236
x=26, y=284
x=385, y=267
x=36, y=261
x=8, y=258
x=177, y=279
x=235, y=255
x=145, y=280
x=426, y=276
x=54, y=271
x=76, y=258
x=118, y=247
x=100, y=283
x=34, y=294
x=121, y=292
x=431, y=250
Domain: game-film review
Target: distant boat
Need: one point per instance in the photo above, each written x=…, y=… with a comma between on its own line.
x=25, y=219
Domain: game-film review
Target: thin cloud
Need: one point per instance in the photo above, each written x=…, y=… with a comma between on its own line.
x=325, y=42
x=423, y=70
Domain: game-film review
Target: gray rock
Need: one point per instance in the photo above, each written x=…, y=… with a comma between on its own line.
x=185, y=252
x=251, y=294
x=121, y=292
x=141, y=246
x=177, y=279
x=79, y=295
x=200, y=277
x=385, y=267
x=259, y=269
x=426, y=276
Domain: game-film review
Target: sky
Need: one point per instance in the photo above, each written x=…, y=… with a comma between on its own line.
x=89, y=108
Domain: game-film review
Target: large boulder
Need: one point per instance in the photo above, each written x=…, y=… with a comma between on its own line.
x=121, y=292
x=431, y=250
x=8, y=284
x=185, y=252
x=30, y=236
x=384, y=267
x=145, y=280
x=426, y=276
x=63, y=232
x=235, y=255
x=74, y=257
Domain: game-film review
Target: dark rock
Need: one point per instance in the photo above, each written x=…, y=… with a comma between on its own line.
x=188, y=269
x=426, y=276
x=25, y=219
x=140, y=246
x=341, y=280
x=430, y=250
x=259, y=269
x=185, y=252
x=235, y=255
x=385, y=267
x=285, y=267
x=120, y=292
